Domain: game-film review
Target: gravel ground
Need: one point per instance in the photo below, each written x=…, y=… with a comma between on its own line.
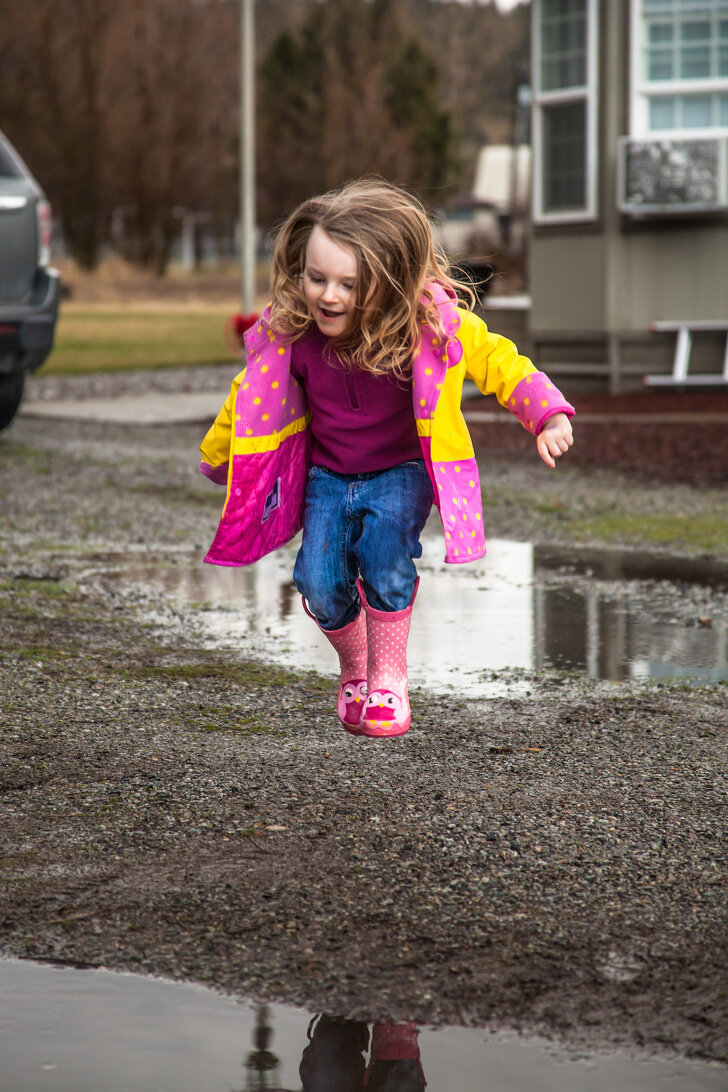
x=554, y=862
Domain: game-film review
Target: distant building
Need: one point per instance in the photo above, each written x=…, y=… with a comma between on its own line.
x=630, y=186
x=503, y=177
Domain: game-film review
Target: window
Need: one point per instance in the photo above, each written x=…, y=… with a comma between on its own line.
x=679, y=66
x=564, y=129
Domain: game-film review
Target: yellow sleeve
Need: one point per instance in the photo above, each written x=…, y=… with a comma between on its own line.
x=491, y=361
x=215, y=447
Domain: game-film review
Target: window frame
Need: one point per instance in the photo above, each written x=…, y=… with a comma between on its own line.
x=643, y=91
x=586, y=93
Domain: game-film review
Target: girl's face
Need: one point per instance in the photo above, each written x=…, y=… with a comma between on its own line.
x=329, y=283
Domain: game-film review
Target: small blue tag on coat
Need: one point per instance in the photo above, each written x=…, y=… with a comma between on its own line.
x=272, y=501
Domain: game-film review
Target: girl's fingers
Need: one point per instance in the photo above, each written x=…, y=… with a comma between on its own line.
x=543, y=450
x=552, y=444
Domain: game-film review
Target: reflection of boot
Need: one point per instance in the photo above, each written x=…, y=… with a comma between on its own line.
x=387, y=709
x=334, y=1061
x=394, y=1065
x=350, y=642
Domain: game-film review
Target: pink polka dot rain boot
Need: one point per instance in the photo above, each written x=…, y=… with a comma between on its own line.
x=350, y=642
x=387, y=709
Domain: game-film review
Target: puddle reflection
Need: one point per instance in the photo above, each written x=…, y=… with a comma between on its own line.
x=65, y=1030
x=522, y=607
x=343, y=1056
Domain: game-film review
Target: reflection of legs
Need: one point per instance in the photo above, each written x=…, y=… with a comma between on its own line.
x=334, y=1061
x=395, y=1061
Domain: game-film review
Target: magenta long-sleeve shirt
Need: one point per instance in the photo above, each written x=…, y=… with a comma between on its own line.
x=359, y=422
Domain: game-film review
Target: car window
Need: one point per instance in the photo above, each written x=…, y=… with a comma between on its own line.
x=8, y=167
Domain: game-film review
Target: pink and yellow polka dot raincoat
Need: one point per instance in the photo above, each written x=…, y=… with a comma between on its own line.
x=259, y=443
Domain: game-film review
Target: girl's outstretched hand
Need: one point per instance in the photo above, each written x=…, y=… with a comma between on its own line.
x=555, y=438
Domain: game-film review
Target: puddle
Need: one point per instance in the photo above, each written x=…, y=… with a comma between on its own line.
x=635, y=565
x=522, y=609
x=674, y=627
x=68, y=1030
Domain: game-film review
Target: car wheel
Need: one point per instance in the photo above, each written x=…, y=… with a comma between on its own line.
x=11, y=395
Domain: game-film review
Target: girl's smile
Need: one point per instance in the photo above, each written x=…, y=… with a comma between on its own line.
x=329, y=283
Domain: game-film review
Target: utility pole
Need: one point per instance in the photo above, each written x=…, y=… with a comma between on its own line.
x=247, y=153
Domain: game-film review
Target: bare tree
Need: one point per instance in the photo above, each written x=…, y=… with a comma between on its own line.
x=152, y=124
x=174, y=121
x=61, y=51
x=351, y=91
x=129, y=111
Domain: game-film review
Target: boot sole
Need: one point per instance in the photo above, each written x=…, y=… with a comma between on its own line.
x=352, y=730
x=385, y=733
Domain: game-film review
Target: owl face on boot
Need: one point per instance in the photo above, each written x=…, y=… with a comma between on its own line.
x=352, y=696
x=384, y=708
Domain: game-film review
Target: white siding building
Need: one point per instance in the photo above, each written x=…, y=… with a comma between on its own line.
x=630, y=187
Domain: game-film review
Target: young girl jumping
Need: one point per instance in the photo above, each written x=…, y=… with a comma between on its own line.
x=346, y=422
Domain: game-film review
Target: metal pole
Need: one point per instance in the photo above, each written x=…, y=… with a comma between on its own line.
x=247, y=153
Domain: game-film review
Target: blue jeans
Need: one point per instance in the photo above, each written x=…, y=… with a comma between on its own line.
x=361, y=525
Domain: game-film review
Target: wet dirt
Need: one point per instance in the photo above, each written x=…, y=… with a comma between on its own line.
x=550, y=861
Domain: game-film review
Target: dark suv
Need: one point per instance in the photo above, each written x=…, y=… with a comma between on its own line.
x=29, y=290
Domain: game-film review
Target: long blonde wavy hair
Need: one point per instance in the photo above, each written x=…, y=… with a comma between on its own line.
x=389, y=233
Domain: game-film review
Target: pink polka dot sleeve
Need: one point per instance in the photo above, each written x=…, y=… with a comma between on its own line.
x=535, y=399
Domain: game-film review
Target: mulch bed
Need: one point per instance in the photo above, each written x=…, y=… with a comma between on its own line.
x=657, y=402
x=684, y=442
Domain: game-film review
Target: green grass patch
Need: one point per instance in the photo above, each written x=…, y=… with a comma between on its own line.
x=176, y=494
x=117, y=339
x=247, y=673
x=706, y=532
x=41, y=654
x=243, y=726
x=24, y=458
x=42, y=585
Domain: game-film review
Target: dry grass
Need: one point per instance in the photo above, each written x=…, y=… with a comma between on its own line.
x=118, y=283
